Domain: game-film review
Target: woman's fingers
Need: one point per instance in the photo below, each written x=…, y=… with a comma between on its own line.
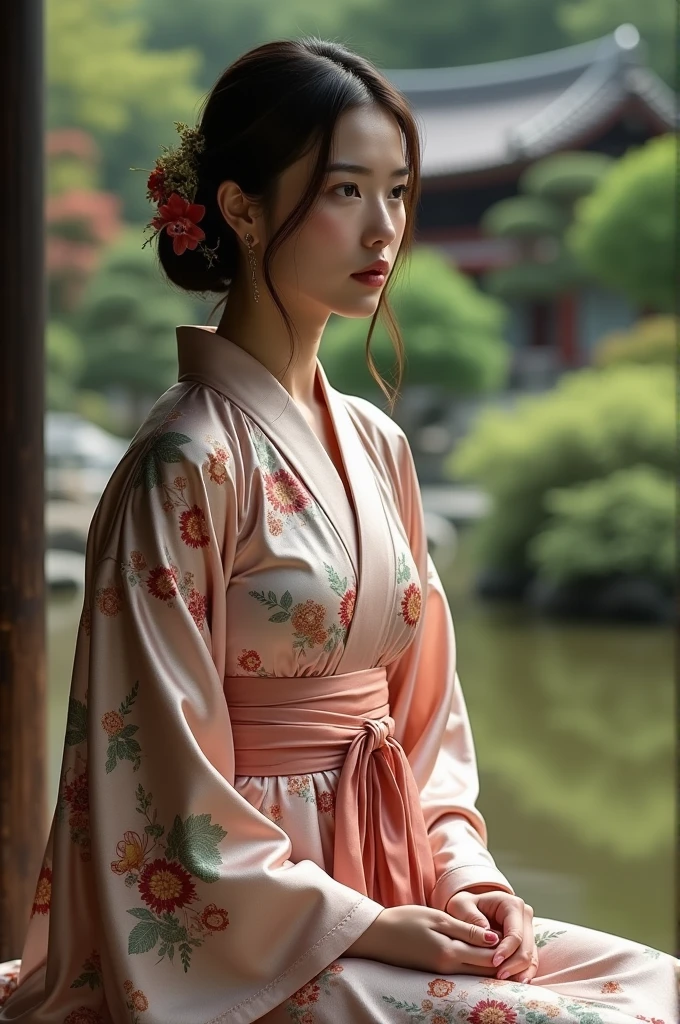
x=524, y=962
x=513, y=933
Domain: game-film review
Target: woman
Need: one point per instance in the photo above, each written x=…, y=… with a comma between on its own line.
x=267, y=798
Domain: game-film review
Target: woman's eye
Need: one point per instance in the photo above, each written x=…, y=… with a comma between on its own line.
x=403, y=189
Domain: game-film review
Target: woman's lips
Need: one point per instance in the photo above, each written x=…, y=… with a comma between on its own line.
x=373, y=278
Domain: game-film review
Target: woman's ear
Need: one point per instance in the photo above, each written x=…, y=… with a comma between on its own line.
x=240, y=213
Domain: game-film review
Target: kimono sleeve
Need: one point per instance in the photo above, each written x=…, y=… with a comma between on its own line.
x=428, y=703
x=200, y=907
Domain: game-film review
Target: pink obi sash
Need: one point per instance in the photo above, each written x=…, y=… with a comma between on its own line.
x=305, y=724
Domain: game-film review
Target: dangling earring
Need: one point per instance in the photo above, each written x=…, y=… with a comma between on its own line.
x=253, y=263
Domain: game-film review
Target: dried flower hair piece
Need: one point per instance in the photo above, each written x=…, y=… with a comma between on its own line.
x=173, y=184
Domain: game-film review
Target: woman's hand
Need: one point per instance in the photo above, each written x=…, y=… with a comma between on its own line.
x=516, y=955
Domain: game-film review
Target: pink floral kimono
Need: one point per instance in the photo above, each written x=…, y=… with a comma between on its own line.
x=267, y=742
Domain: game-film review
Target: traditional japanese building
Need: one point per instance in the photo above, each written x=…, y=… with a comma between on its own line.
x=483, y=124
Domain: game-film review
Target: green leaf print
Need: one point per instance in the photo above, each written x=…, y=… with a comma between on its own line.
x=143, y=937
x=403, y=570
x=194, y=844
x=266, y=455
x=338, y=586
x=164, y=448
x=121, y=745
x=543, y=938
x=271, y=601
x=76, y=723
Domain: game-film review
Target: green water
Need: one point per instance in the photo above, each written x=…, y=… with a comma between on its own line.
x=574, y=729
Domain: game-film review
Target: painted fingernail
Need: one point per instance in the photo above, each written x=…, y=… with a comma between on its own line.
x=526, y=981
x=503, y=975
x=498, y=959
x=490, y=937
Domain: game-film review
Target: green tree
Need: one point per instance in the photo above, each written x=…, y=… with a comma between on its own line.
x=652, y=339
x=127, y=320
x=536, y=220
x=453, y=334
x=592, y=424
x=64, y=358
x=624, y=230
x=103, y=78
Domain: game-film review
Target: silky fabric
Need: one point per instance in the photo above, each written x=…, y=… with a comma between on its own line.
x=226, y=565
x=294, y=726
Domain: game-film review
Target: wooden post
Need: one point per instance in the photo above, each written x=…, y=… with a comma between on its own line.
x=23, y=828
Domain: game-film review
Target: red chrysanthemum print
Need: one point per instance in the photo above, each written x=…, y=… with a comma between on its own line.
x=83, y=1015
x=193, y=527
x=440, y=988
x=439, y=1018
x=128, y=986
x=249, y=661
x=86, y=621
x=325, y=802
x=76, y=793
x=139, y=1001
x=112, y=722
x=285, y=493
x=198, y=607
x=215, y=918
x=426, y=1005
x=137, y=561
x=611, y=986
x=491, y=1011
x=347, y=606
x=309, y=993
x=79, y=821
x=43, y=892
x=411, y=604
x=162, y=583
x=180, y=219
x=109, y=600
x=164, y=885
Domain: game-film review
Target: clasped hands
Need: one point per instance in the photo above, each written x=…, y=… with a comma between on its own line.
x=511, y=919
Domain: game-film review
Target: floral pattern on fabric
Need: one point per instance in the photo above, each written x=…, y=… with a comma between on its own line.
x=301, y=1003
x=308, y=618
x=136, y=1001
x=91, y=973
x=166, y=884
x=122, y=746
x=455, y=1004
x=165, y=583
x=43, y=891
x=74, y=797
x=285, y=494
x=411, y=603
x=9, y=978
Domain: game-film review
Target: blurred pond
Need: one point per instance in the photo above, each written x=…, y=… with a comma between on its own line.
x=574, y=730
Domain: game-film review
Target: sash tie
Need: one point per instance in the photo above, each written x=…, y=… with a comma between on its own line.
x=306, y=724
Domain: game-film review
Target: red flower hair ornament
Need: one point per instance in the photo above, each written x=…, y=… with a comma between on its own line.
x=172, y=185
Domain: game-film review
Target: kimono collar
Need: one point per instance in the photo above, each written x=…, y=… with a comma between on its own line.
x=212, y=359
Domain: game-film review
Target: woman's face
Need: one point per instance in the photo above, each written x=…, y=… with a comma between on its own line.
x=358, y=217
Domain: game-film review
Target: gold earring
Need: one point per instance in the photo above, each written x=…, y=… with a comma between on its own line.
x=253, y=263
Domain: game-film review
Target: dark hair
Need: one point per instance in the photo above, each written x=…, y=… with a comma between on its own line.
x=268, y=109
